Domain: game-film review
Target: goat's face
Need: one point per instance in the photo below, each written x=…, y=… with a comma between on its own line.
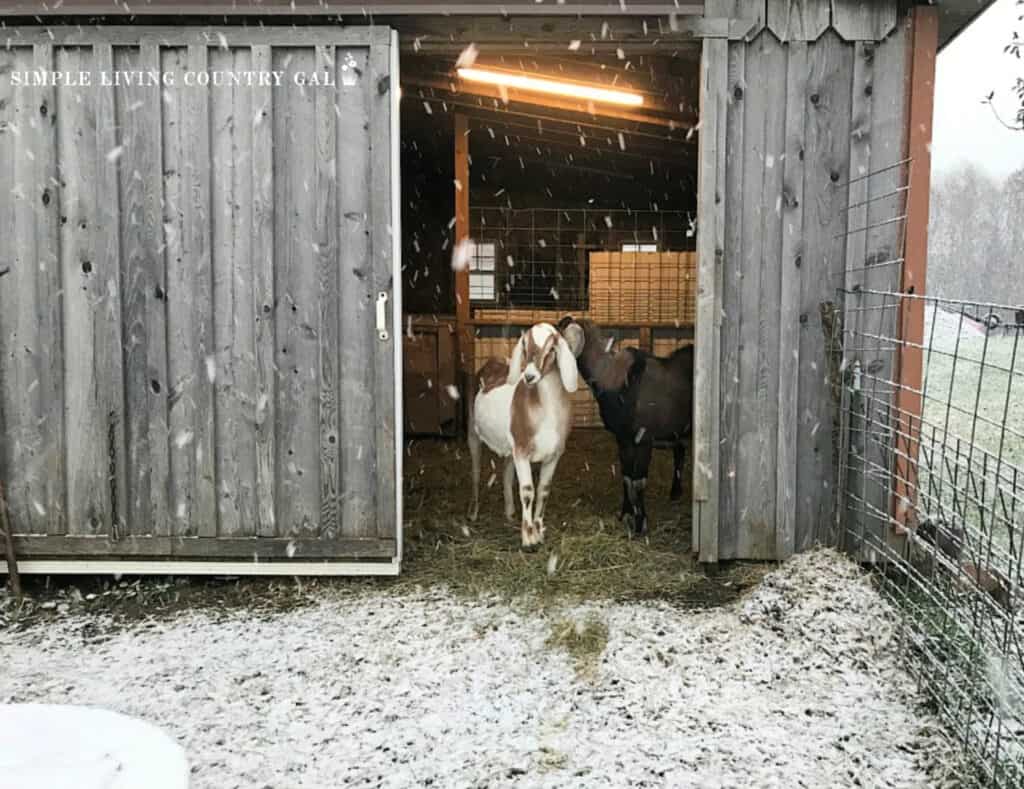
x=541, y=350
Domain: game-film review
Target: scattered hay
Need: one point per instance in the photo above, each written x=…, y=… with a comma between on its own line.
x=584, y=640
x=587, y=554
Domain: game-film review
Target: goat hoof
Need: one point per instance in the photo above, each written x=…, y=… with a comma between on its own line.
x=628, y=521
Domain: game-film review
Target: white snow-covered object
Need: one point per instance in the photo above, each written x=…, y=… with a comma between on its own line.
x=68, y=747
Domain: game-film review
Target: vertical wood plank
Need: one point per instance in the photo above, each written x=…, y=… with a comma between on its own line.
x=756, y=505
x=720, y=79
x=789, y=300
x=856, y=319
x=231, y=207
x=358, y=500
x=384, y=226
x=826, y=161
x=196, y=209
x=732, y=281
x=705, y=475
x=325, y=244
x=32, y=380
x=859, y=21
x=737, y=9
x=178, y=292
x=298, y=456
x=797, y=20
x=144, y=284
x=85, y=290
x=882, y=245
x=263, y=166
x=49, y=297
x=21, y=444
x=108, y=346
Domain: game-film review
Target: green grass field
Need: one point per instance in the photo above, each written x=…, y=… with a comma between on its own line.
x=973, y=438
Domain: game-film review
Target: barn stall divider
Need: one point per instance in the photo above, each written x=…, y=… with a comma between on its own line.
x=198, y=356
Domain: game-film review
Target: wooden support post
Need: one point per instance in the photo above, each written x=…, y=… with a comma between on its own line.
x=8, y=535
x=647, y=339
x=464, y=329
x=924, y=45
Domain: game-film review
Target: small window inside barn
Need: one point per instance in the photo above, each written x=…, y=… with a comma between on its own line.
x=481, y=273
x=639, y=247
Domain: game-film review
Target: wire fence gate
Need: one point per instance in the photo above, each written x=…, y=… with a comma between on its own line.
x=930, y=487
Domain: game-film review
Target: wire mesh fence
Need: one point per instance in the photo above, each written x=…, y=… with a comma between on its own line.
x=619, y=267
x=931, y=493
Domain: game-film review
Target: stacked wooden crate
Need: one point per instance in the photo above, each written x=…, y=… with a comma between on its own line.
x=643, y=287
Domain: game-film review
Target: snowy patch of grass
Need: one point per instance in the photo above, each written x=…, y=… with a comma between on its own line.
x=584, y=639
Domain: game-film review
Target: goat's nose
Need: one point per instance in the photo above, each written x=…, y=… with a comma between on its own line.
x=531, y=375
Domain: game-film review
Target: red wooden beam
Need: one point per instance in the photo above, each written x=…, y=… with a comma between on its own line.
x=924, y=46
x=463, y=327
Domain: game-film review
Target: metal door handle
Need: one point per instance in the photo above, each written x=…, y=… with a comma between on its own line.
x=382, y=316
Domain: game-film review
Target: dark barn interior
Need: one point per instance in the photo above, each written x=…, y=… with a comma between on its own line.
x=570, y=206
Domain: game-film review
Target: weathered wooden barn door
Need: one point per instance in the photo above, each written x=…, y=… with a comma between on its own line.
x=198, y=347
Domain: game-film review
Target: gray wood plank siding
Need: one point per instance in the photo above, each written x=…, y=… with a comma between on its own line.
x=188, y=360
x=802, y=118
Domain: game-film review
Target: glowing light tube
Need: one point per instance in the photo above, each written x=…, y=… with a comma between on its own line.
x=553, y=87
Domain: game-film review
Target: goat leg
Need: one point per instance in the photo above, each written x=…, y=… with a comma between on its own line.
x=641, y=462
x=626, y=451
x=507, y=484
x=529, y=534
x=678, y=461
x=547, y=472
x=474, y=453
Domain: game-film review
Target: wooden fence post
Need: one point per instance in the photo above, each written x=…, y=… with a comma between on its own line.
x=909, y=406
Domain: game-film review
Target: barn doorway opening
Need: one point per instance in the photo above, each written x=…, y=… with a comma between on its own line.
x=522, y=206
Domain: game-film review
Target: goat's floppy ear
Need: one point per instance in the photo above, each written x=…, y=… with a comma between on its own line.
x=515, y=364
x=567, y=364
x=574, y=335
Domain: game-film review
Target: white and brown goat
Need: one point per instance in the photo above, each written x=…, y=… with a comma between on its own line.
x=522, y=412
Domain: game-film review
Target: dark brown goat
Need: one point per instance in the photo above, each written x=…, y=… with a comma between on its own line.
x=645, y=402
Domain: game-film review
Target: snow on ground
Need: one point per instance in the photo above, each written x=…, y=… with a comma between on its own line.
x=798, y=684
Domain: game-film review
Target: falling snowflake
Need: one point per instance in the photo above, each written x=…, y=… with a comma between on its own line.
x=462, y=254
x=467, y=57
x=453, y=393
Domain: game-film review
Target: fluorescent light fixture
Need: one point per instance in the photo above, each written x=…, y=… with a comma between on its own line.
x=570, y=89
